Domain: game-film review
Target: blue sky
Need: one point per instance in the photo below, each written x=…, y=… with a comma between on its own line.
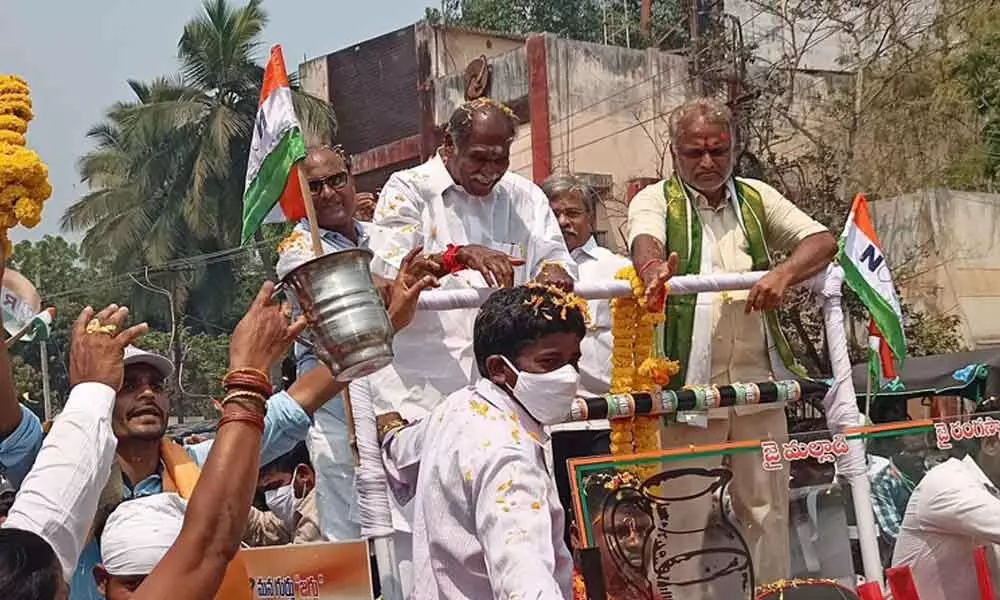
x=77, y=55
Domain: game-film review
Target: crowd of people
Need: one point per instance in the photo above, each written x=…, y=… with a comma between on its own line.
x=473, y=406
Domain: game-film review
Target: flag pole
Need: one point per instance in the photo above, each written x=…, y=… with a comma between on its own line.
x=317, y=244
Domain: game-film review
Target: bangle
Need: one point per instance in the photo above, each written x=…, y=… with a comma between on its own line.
x=247, y=382
x=247, y=376
x=646, y=265
x=248, y=371
x=449, y=260
x=244, y=397
x=242, y=417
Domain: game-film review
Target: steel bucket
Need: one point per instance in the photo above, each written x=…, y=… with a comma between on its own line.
x=348, y=325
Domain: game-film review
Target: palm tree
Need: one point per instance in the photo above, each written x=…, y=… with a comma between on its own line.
x=167, y=171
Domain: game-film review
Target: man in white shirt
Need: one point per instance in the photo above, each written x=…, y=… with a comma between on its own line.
x=488, y=522
x=574, y=204
x=954, y=509
x=49, y=520
x=483, y=226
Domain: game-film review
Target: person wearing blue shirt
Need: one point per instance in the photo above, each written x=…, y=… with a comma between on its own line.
x=139, y=421
x=327, y=169
x=20, y=430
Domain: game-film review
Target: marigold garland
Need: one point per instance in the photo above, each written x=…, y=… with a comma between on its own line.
x=635, y=368
x=24, y=178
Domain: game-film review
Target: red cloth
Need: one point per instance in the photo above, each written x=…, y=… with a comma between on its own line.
x=870, y=591
x=901, y=583
x=983, y=574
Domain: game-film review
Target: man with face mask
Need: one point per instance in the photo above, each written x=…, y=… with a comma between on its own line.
x=482, y=225
x=702, y=220
x=288, y=485
x=488, y=522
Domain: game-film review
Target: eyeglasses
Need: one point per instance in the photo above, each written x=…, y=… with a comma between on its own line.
x=335, y=181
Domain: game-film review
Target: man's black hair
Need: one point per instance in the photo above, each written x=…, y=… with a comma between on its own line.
x=512, y=319
x=460, y=123
x=29, y=569
x=286, y=463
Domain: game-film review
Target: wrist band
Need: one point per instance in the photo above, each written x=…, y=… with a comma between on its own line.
x=243, y=398
x=449, y=260
x=242, y=417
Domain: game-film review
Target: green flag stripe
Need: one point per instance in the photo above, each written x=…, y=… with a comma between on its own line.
x=266, y=188
x=882, y=313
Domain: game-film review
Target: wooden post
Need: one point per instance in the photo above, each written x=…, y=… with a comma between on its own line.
x=317, y=244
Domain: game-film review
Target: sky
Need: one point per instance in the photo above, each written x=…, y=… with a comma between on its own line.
x=77, y=56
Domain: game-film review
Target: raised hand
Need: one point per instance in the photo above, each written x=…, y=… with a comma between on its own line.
x=264, y=335
x=414, y=277
x=654, y=279
x=496, y=267
x=97, y=349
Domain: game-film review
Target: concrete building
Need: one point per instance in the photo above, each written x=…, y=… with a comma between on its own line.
x=595, y=110
x=951, y=241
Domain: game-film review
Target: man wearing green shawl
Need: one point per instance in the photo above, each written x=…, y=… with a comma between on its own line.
x=704, y=220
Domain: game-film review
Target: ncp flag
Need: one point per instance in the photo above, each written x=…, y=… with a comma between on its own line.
x=867, y=273
x=273, y=193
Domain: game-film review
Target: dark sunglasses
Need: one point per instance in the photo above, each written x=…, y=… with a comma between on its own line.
x=335, y=181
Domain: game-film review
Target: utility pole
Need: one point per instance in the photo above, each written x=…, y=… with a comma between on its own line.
x=46, y=392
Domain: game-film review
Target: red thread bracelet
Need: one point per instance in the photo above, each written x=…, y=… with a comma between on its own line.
x=242, y=417
x=449, y=260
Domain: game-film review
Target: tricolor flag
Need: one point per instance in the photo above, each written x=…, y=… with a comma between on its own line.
x=273, y=193
x=881, y=367
x=867, y=273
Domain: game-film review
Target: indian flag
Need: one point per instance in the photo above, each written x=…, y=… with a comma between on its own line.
x=273, y=193
x=867, y=273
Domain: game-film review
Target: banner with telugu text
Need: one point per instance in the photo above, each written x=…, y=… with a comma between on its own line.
x=322, y=571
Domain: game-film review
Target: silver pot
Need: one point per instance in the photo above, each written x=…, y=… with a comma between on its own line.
x=348, y=325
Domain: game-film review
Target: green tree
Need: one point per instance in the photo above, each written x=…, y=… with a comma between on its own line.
x=67, y=283
x=585, y=20
x=168, y=168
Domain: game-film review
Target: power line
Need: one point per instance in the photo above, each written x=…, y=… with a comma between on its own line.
x=186, y=263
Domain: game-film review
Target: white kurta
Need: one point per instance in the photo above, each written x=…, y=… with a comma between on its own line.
x=423, y=206
x=488, y=523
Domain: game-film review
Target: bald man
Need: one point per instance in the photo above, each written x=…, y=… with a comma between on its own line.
x=328, y=171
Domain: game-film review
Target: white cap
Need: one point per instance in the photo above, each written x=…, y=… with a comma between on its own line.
x=139, y=532
x=135, y=356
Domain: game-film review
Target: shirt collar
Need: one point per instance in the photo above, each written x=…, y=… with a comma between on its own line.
x=588, y=249
x=439, y=179
x=501, y=400
x=973, y=467
x=339, y=240
x=700, y=201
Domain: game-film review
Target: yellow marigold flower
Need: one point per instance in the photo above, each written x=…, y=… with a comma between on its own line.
x=11, y=137
x=13, y=123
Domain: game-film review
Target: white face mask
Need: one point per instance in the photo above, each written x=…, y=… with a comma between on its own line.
x=547, y=397
x=281, y=502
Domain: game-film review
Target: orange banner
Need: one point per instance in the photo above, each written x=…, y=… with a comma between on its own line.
x=324, y=571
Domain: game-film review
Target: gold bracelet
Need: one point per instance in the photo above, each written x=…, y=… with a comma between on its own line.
x=244, y=397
